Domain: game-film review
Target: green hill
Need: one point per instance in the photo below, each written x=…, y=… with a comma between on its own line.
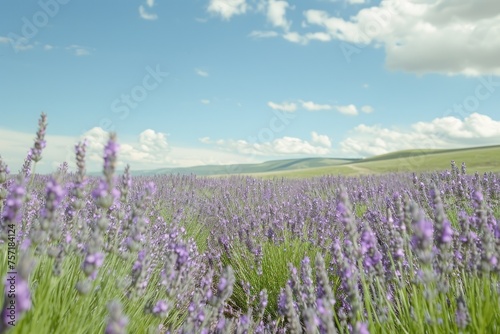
x=265, y=167
x=480, y=159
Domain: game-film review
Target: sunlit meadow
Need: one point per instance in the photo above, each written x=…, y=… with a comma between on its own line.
x=395, y=253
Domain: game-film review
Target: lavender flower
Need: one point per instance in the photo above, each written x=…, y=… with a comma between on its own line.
x=117, y=321
x=4, y=171
x=26, y=168
x=360, y=328
x=372, y=256
x=292, y=317
x=92, y=263
x=160, y=309
x=462, y=314
x=488, y=253
x=13, y=203
x=422, y=240
x=40, y=139
x=110, y=152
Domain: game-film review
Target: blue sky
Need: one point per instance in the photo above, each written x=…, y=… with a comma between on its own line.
x=233, y=81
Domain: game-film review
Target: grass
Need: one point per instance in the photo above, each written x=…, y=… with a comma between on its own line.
x=276, y=258
x=482, y=159
x=59, y=308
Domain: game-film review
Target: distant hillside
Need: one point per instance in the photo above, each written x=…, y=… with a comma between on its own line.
x=265, y=167
x=480, y=159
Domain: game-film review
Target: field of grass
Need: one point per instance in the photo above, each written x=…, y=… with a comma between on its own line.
x=268, y=166
x=481, y=159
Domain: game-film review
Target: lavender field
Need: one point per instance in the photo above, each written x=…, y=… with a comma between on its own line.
x=395, y=253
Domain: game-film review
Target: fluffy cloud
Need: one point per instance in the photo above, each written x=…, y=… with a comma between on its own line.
x=349, y=109
x=285, y=106
x=444, y=132
x=276, y=14
x=144, y=11
x=444, y=36
x=319, y=145
x=321, y=140
x=227, y=8
x=311, y=106
x=151, y=148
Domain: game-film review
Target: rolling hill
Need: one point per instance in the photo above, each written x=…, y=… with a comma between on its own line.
x=480, y=159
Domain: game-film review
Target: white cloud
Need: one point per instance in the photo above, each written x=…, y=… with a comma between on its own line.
x=21, y=44
x=279, y=147
x=205, y=101
x=276, y=14
x=201, y=73
x=356, y=2
x=48, y=47
x=367, y=109
x=443, y=36
x=295, y=37
x=144, y=14
x=322, y=140
x=349, y=109
x=285, y=106
x=317, y=36
x=263, y=34
x=444, y=132
x=227, y=8
x=311, y=106
x=150, y=150
x=79, y=50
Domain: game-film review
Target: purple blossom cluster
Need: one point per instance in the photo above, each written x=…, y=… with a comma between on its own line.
x=372, y=236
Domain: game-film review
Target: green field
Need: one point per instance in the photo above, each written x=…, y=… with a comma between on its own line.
x=480, y=159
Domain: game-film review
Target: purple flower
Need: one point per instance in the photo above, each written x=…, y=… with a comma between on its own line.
x=54, y=190
x=160, y=308
x=360, y=328
x=422, y=240
x=478, y=198
x=117, y=322
x=462, y=314
x=14, y=202
x=372, y=256
x=110, y=152
x=40, y=143
x=91, y=263
x=222, y=284
x=447, y=233
x=182, y=255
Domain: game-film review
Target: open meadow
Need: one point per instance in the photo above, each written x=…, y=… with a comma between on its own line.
x=389, y=253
